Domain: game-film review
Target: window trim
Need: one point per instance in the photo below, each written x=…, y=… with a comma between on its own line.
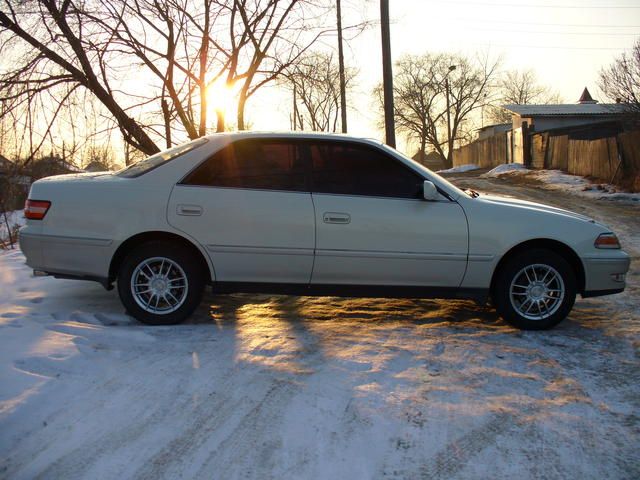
x=304, y=143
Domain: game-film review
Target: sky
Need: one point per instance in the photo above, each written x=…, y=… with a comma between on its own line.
x=566, y=43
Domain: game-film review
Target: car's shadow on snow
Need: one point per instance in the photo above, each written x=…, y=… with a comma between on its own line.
x=225, y=309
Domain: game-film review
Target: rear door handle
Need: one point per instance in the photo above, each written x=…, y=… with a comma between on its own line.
x=336, y=217
x=189, y=210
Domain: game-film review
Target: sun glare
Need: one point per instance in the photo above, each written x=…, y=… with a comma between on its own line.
x=222, y=97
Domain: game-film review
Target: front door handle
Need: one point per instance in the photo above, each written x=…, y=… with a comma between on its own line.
x=189, y=210
x=336, y=217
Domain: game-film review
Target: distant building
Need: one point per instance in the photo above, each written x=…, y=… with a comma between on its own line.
x=431, y=160
x=587, y=113
x=492, y=130
x=540, y=118
x=96, y=166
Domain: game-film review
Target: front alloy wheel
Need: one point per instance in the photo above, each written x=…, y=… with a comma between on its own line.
x=535, y=290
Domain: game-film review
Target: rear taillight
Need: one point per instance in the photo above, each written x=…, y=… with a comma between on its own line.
x=36, y=209
x=607, y=240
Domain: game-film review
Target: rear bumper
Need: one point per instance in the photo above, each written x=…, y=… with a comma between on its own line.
x=31, y=247
x=65, y=256
x=605, y=275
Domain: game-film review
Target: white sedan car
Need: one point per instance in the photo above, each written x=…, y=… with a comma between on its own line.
x=311, y=214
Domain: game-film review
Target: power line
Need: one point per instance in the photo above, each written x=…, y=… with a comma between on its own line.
x=584, y=25
x=550, y=47
x=534, y=5
x=592, y=34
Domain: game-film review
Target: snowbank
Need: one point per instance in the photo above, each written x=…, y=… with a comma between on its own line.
x=559, y=180
x=506, y=168
x=460, y=169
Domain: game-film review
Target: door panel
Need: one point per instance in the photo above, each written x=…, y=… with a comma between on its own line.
x=389, y=241
x=251, y=235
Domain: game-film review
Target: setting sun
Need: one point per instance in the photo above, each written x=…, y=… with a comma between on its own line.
x=222, y=97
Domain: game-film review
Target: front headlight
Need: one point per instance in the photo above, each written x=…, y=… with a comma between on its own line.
x=607, y=240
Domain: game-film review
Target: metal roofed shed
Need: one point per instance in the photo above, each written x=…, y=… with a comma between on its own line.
x=548, y=117
x=569, y=109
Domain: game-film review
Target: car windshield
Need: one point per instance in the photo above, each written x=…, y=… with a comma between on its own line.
x=154, y=161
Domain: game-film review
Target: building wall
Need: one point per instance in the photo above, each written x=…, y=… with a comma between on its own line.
x=540, y=124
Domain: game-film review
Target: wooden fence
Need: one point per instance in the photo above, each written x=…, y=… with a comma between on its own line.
x=611, y=159
x=486, y=153
x=614, y=158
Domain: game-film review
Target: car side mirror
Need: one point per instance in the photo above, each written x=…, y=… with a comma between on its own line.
x=429, y=191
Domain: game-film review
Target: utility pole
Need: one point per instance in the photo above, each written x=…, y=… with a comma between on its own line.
x=446, y=91
x=295, y=108
x=343, y=86
x=387, y=75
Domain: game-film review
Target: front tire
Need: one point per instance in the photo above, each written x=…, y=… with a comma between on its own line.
x=535, y=290
x=160, y=283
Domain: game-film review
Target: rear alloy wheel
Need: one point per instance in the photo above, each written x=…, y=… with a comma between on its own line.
x=535, y=290
x=160, y=284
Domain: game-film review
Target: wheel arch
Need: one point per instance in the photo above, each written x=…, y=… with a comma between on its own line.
x=554, y=245
x=155, y=236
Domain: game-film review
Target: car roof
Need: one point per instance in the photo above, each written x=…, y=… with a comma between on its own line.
x=293, y=135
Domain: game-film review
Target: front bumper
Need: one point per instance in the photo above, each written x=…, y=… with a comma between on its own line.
x=605, y=275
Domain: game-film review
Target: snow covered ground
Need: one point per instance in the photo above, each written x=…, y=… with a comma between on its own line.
x=559, y=180
x=460, y=169
x=15, y=218
x=298, y=387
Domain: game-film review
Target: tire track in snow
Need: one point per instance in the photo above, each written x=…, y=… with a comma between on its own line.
x=452, y=458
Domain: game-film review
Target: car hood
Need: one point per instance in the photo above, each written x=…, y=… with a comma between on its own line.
x=524, y=204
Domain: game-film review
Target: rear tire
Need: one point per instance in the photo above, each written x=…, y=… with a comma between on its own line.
x=535, y=290
x=160, y=283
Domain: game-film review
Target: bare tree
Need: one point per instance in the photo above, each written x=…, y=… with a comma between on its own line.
x=620, y=81
x=315, y=83
x=423, y=85
x=519, y=87
x=60, y=51
x=150, y=63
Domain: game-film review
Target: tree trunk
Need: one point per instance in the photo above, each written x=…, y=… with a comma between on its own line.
x=204, y=50
x=220, y=121
x=423, y=145
x=343, y=87
x=167, y=122
x=242, y=101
